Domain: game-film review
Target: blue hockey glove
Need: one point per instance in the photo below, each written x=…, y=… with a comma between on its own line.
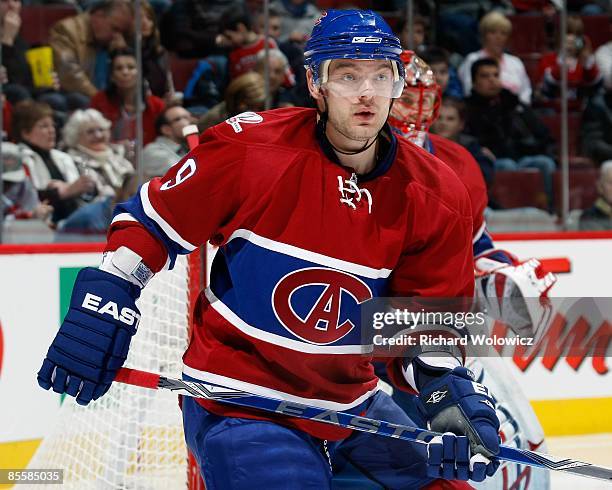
x=454, y=403
x=449, y=457
x=93, y=341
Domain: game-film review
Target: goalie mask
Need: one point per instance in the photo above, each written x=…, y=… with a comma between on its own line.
x=418, y=107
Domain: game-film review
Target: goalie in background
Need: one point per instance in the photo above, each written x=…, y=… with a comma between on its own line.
x=501, y=279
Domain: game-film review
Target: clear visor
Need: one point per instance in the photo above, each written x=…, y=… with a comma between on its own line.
x=354, y=80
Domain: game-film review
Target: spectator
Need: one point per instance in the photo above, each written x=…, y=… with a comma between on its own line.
x=596, y=128
x=297, y=19
x=16, y=69
x=19, y=84
x=20, y=199
x=96, y=217
x=237, y=28
x=445, y=74
x=420, y=26
x=245, y=93
x=274, y=24
x=507, y=126
x=86, y=135
x=170, y=145
x=278, y=65
x=54, y=173
x=81, y=44
x=599, y=216
x=451, y=123
x=118, y=102
x=154, y=57
x=190, y=27
x=495, y=30
x=582, y=72
x=603, y=58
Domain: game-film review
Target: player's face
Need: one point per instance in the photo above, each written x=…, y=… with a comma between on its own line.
x=449, y=123
x=358, y=95
x=415, y=107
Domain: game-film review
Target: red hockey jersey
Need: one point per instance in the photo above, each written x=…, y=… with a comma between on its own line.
x=462, y=162
x=302, y=244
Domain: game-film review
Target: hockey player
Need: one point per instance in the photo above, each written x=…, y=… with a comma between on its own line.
x=315, y=212
x=499, y=274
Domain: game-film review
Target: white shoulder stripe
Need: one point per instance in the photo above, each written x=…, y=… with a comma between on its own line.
x=317, y=258
x=279, y=340
x=123, y=217
x=218, y=379
x=163, y=224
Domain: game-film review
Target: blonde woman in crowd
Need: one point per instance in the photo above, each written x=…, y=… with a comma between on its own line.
x=495, y=30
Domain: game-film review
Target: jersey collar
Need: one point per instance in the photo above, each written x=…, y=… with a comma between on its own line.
x=385, y=159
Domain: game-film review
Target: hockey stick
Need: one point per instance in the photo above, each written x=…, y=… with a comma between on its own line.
x=191, y=134
x=232, y=396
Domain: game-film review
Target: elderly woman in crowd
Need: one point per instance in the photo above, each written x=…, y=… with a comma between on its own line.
x=495, y=31
x=87, y=139
x=54, y=173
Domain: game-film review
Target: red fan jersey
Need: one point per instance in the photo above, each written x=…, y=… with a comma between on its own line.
x=303, y=242
x=244, y=59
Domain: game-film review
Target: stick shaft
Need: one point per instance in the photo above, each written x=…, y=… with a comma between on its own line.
x=232, y=396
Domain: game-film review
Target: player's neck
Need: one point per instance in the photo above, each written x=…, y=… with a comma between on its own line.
x=362, y=163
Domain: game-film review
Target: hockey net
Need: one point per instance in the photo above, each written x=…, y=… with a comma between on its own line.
x=132, y=438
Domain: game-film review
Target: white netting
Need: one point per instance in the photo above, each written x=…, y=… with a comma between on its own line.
x=131, y=438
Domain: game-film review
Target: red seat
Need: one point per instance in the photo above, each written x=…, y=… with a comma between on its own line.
x=598, y=28
x=528, y=33
x=532, y=62
x=553, y=123
x=37, y=20
x=582, y=188
x=519, y=189
x=181, y=69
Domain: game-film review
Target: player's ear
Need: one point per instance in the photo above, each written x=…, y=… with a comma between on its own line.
x=313, y=88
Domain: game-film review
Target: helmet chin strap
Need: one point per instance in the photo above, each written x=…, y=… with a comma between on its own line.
x=368, y=144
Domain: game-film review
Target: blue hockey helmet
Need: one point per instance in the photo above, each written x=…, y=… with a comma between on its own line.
x=353, y=34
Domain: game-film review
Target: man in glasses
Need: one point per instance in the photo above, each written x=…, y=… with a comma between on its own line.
x=170, y=145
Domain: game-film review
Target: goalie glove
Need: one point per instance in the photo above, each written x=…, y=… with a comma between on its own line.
x=93, y=341
x=510, y=293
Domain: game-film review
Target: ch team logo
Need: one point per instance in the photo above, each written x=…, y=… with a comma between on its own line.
x=312, y=303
